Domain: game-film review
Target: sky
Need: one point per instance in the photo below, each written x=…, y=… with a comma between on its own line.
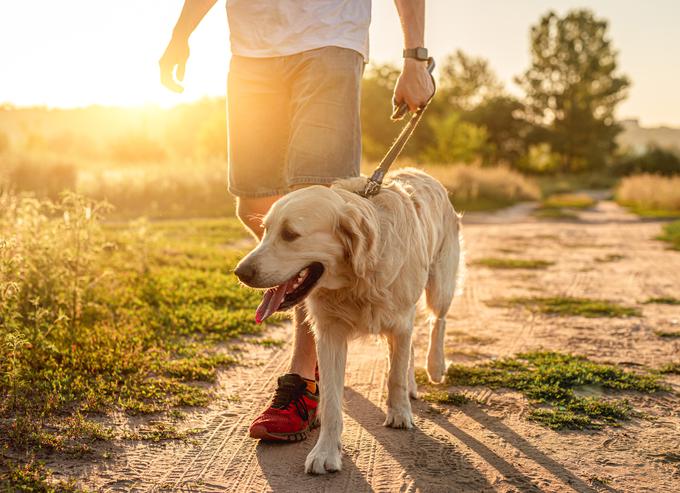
x=71, y=53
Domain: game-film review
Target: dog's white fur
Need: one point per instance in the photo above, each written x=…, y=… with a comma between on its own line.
x=379, y=255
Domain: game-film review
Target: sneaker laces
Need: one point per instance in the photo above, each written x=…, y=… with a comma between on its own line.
x=290, y=390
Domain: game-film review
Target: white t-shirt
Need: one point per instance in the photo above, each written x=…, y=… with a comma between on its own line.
x=268, y=28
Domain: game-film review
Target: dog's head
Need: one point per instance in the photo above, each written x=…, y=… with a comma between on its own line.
x=314, y=237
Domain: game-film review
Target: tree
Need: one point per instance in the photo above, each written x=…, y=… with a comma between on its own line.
x=455, y=141
x=465, y=82
x=506, y=130
x=573, y=88
x=376, y=107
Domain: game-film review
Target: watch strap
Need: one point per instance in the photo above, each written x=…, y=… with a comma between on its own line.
x=418, y=53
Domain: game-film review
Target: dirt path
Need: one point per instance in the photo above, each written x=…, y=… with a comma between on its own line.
x=486, y=446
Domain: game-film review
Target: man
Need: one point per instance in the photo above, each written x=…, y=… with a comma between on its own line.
x=293, y=105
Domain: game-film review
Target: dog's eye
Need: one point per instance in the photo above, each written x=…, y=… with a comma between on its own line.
x=288, y=234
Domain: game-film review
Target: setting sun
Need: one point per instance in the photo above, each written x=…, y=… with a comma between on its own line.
x=79, y=52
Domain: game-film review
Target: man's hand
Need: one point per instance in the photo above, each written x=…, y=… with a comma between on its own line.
x=414, y=85
x=173, y=63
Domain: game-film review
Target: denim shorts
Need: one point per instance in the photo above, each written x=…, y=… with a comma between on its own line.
x=293, y=120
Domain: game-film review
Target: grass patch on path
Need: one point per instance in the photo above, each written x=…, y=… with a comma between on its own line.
x=444, y=397
x=668, y=334
x=558, y=213
x=663, y=300
x=567, y=306
x=671, y=234
x=673, y=368
x=564, y=205
x=32, y=477
x=513, y=263
x=569, y=201
x=551, y=382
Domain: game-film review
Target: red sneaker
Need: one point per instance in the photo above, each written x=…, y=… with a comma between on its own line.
x=292, y=413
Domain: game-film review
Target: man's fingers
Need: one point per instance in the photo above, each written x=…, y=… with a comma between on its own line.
x=180, y=71
x=168, y=81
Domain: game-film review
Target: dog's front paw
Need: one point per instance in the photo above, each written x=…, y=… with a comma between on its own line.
x=324, y=458
x=399, y=418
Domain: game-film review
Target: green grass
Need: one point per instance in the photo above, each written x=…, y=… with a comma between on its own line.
x=72, y=435
x=159, y=432
x=668, y=334
x=567, y=306
x=199, y=368
x=569, y=201
x=554, y=214
x=671, y=234
x=671, y=368
x=551, y=382
x=270, y=342
x=652, y=213
x=513, y=263
x=31, y=477
x=479, y=204
x=563, y=206
x=444, y=397
x=663, y=300
x=98, y=318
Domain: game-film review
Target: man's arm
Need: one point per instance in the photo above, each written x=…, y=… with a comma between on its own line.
x=173, y=62
x=414, y=85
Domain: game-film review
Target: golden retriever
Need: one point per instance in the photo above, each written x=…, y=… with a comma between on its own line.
x=360, y=265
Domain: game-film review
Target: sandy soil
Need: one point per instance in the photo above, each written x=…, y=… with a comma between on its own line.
x=485, y=446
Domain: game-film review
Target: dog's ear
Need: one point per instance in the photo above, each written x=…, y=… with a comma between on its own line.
x=359, y=231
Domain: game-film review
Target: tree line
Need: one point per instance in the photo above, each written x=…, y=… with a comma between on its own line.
x=563, y=123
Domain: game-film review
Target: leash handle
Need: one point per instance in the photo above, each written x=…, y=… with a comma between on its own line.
x=374, y=183
x=401, y=110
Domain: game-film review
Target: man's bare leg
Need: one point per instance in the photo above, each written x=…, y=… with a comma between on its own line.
x=303, y=361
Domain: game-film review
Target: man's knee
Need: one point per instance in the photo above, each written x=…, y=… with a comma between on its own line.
x=251, y=210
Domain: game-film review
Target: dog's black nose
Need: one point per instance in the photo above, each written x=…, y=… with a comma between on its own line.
x=245, y=272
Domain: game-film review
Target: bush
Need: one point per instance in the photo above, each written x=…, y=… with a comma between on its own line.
x=137, y=147
x=97, y=318
x=539, y=159
x=650, y=194
x=162, y=194
x=656, y=160
x=455, y=141
x=483, y=188
x=45, y=179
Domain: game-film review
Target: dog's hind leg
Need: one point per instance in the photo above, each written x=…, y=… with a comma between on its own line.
x=412, y=385
x=439, y=291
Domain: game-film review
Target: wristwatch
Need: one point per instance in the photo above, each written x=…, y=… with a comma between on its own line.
x=418, y=53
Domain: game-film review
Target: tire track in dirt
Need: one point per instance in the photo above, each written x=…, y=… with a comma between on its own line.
x=189, y=470
x=431, y=457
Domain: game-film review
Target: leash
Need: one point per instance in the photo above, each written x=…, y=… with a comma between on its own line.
x=374, y=183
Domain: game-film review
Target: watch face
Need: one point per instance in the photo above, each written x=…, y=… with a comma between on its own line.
x=421, y=53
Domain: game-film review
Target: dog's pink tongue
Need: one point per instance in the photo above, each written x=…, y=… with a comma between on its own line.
x=271, y=301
